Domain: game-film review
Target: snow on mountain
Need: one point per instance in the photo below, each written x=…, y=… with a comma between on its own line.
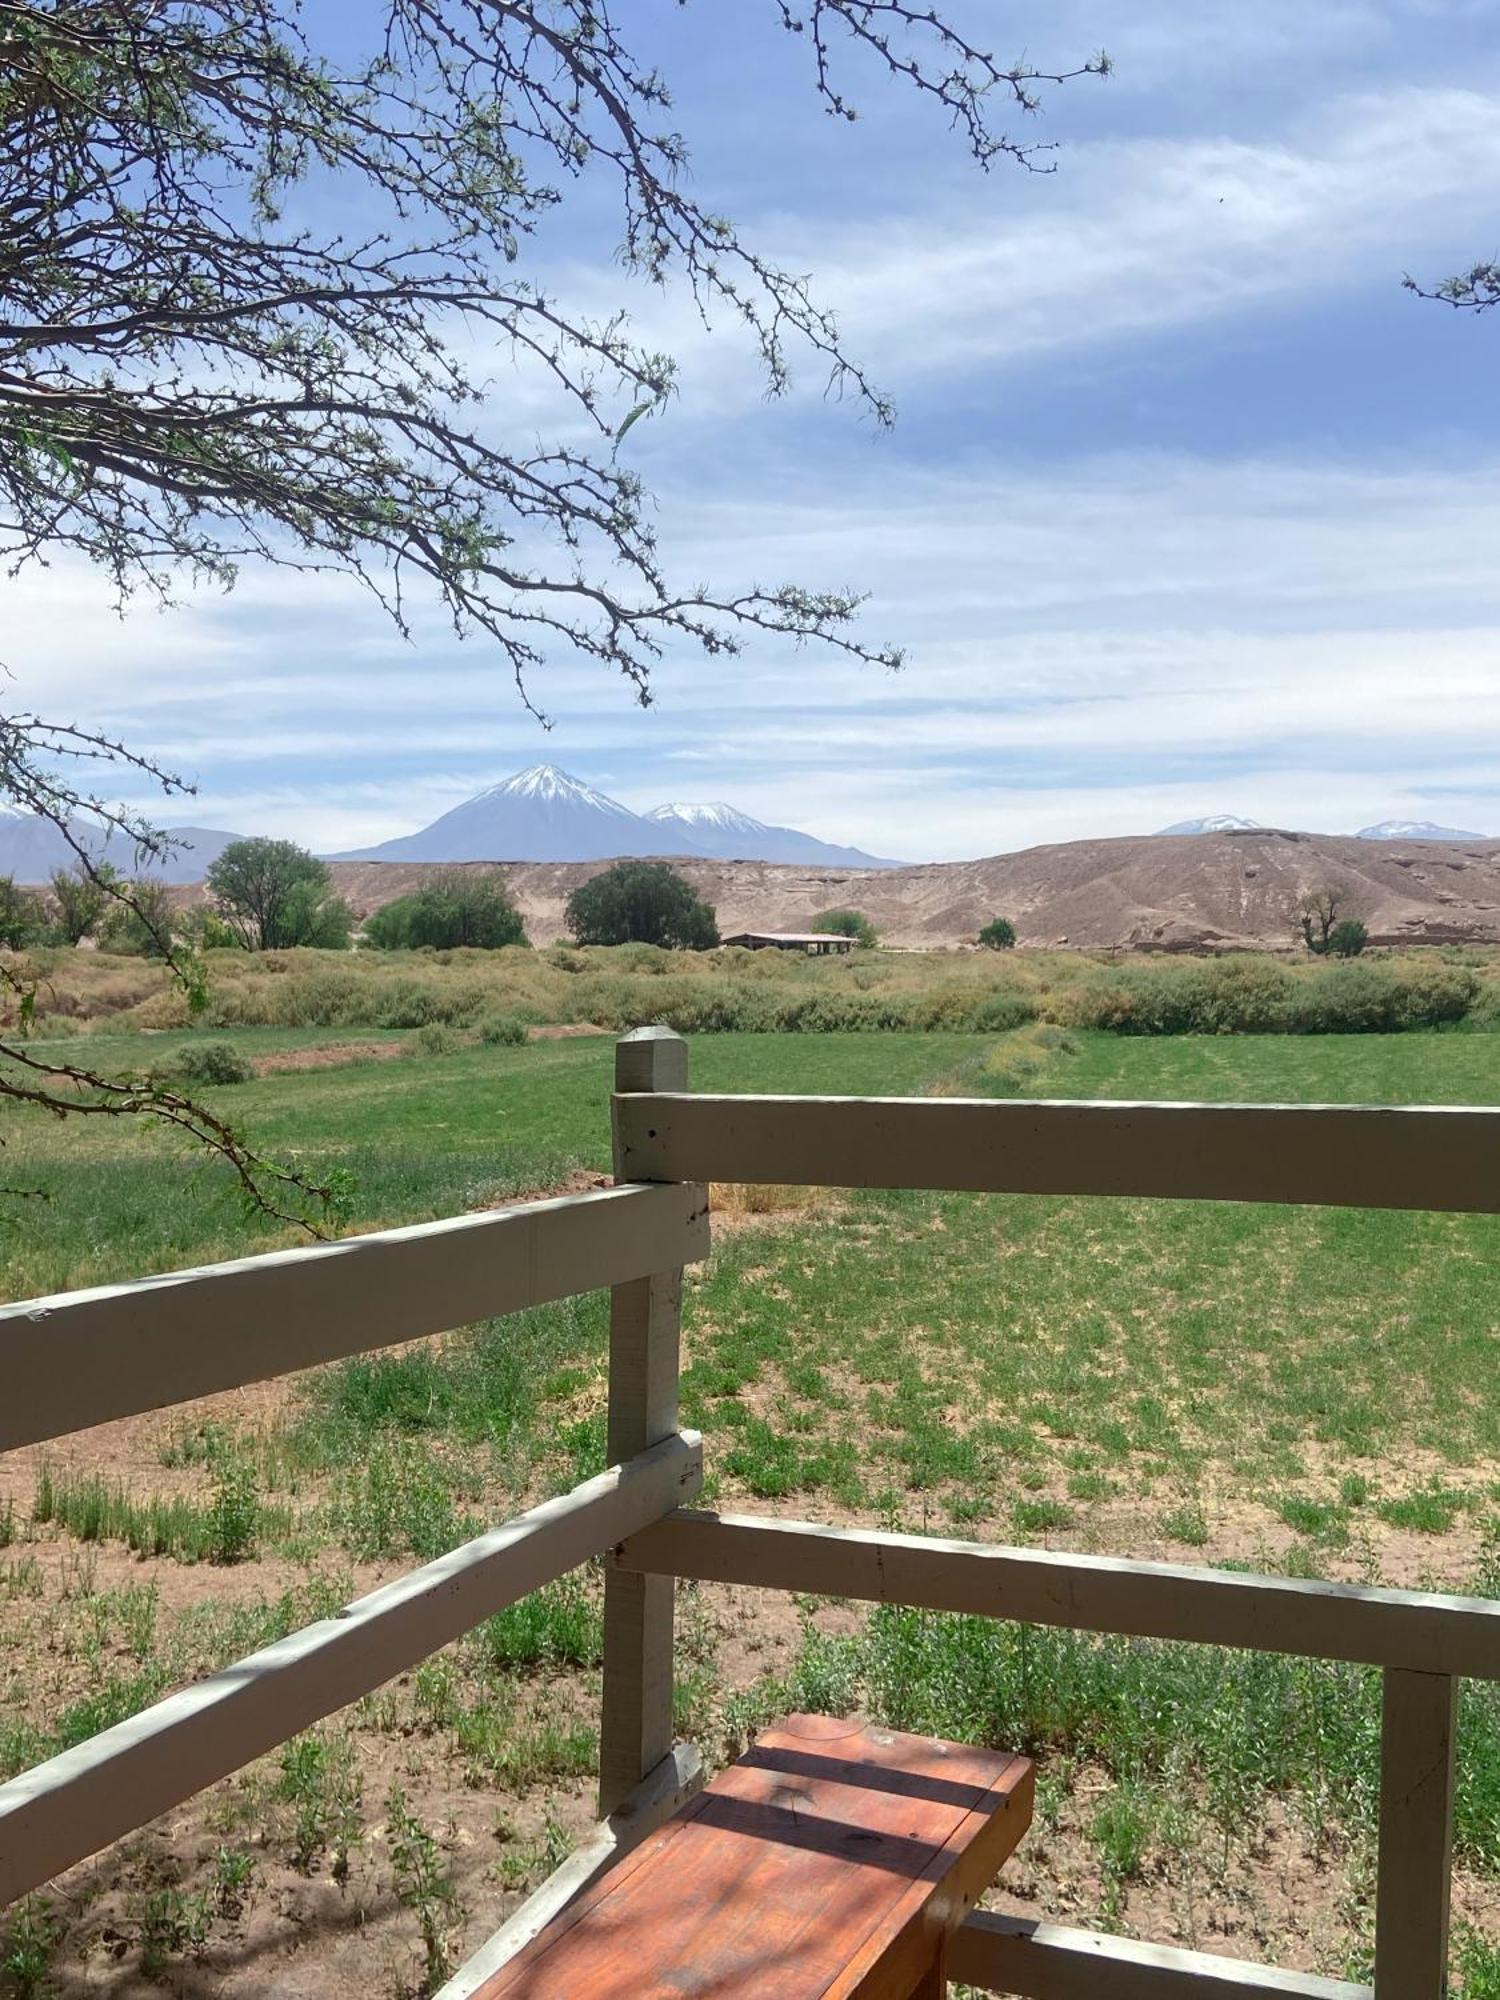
x=1415, y=829
x=731, y=835
x=1214, y=823
x=540, y=814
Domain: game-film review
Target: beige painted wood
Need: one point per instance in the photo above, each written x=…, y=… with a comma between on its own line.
x=645, y=1331
x=1418, y=1728
x=82, y=1357
x=1359, y=1156
x=674, y=1780
x=74, y=1804
x=1040, y=1961
x=1330, y=1621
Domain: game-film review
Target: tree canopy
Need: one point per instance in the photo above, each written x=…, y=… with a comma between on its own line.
x=274, y=895
x=457, y=908
x=850, y=924
x=999, y=934
x=641, y=902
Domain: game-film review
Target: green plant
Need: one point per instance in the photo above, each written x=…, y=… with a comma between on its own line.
x=502, y=1031
x=1348, y=938
x=850, y=924
x=273, y=894
x=456, y=909
x=425, y=1885
x=1186, y=1524
x=319, y=1784
x=559, y=1625
x=999, y=934
x=172, y=1922
x=435, y=1038
x=234, y=1870
x=1032, y=1517
x=645, y=902
x=210, y=1062
x=233, y=1514
x=28, y=1946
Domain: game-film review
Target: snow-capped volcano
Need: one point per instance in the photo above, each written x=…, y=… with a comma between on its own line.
x=541, y=814
x=1415, y=829
x=731, y=835
x=1214, y=823
x=544, y=814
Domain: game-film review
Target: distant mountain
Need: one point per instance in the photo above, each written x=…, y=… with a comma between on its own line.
x=32, y=848
x=1214, y=823
x=540, y=814
x=543, y=814
x=731, y=835
x=1415, y=829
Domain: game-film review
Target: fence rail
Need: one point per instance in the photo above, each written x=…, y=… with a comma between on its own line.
x=1350, y=1156
x=84, y=1357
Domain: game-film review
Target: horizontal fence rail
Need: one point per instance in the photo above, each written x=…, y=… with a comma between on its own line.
x=1339, y=1155
x=1416, y=1630
x=81, y=1358
x=61, y=1811
x=1043, y=1961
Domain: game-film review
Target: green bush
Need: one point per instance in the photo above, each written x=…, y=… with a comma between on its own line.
x=435, y=1039
x=210, y=1062
x=999, y=934
x=1348, y=938
x=641, y=902
x=850, y=924
x=502, y=1031
x=1254, y=996
x=455, y=910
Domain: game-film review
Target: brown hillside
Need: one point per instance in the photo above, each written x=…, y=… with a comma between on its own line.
x=1149, y=892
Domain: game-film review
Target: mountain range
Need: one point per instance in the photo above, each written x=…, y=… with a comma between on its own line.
x=544, y=814
x=1386, y=829
x=31, y=849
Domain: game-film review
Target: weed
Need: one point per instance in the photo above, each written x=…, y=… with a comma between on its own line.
x=28, y=1946
x=424, y=1885
x=319, y=1783
x=172, y=1922
x=1321, y=1521
x=1034, y=1517
x=558, y=1625
x=1186, y=1524
x=233, y=1872
x=1430, y=1511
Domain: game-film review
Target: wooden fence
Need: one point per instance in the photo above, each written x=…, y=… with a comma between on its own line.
x=85, y=1357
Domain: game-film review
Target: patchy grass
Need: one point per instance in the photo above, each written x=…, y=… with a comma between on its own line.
x=1311, y=1391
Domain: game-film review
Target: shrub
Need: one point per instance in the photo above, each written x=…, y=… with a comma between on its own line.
x=1348, y=938
x=502, y=1031
x=455, y=909
x=211, y=1062
x=435, y=1039
x=144, y=926
x=850, y=924
x=999, y=934
x=641, y=902
x=1001, y=1012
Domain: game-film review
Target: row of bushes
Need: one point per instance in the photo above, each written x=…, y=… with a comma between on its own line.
x=1255, y=996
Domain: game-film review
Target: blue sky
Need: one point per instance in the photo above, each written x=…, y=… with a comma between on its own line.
x=1189, y=506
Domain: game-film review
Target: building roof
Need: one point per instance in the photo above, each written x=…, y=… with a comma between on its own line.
x=794, y=937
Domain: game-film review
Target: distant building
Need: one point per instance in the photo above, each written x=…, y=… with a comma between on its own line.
x=817, y=944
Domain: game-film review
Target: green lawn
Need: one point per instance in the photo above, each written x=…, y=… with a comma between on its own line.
x=423, y=1137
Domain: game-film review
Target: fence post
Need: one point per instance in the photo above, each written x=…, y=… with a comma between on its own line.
x=645, y=1323
x=1417, y=1730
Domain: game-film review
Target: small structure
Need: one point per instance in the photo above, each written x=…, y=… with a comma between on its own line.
x=817, y=944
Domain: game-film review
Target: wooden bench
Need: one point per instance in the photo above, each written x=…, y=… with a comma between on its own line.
x=832, y=1860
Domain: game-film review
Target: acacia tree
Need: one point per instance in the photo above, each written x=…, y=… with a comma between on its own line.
x=196, y=369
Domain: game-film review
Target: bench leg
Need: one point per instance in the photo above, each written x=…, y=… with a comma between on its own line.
x=933, y=1985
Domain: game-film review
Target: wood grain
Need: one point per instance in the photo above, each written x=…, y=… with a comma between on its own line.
x=832, y=1860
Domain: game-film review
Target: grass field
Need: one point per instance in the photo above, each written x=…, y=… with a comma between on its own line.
x=1309, y=1391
